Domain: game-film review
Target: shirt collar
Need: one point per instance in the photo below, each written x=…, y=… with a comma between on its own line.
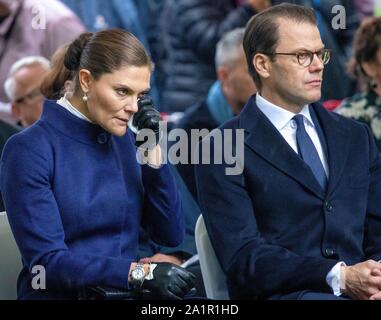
x=278, y=116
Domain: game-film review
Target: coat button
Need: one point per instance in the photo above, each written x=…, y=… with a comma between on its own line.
x=328, y=206
x=329, y=252
x=102, y=138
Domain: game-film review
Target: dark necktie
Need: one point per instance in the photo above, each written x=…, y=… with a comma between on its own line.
x=308, y=152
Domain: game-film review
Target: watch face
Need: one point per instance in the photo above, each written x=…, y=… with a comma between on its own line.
x=138, y=273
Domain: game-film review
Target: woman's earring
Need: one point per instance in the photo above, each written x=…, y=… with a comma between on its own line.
x=85, y=97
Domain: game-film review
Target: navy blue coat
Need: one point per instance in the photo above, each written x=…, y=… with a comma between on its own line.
x=76, y=197
x=273, y=228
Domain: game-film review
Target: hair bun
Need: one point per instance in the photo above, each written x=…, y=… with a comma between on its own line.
x=73, y=54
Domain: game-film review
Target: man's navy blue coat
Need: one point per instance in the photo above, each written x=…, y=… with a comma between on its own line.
x=274, y=229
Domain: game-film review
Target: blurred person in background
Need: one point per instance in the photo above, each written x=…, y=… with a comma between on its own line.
x=191, y=32
x=33, y=27
x=365, y=66
x=6, y=131
x=74, y=192
x=365, y=8
x=225, y=99
x=22, y=88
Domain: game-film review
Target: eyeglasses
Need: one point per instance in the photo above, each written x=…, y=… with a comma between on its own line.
x=29, y=97
x=306, y=57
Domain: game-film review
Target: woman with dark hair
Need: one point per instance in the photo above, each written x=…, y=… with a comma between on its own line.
x=366, y=68
x=73, y=187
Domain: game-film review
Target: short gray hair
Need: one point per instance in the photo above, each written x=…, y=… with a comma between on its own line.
x=9, y=84
x=227, y=51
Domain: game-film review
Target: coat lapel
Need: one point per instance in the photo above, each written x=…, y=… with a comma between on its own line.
x=337, y=138
x=265, y=140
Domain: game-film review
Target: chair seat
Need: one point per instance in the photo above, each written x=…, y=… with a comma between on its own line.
x=10, y=261
x=212, y=273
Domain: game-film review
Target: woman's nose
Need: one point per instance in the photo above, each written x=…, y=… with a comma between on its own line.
x=132, y=106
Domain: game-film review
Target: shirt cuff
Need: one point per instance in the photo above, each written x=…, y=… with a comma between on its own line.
x=333, y=278
x=143, y=161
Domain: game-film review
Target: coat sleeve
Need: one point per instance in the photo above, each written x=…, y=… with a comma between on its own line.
x=372, y=240
x=254, y=266
x=162, y=212
x=191, y=211
x=203, y=23
x=26, y=173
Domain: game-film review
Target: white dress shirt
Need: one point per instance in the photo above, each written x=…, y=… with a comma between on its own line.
x=283, y=122
x=64, y=102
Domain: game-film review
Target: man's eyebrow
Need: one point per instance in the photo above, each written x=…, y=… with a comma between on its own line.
x=305, y=49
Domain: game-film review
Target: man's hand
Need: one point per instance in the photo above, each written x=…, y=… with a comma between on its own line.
x=362, y=280
x=377, y=273
x=160, y=257
x=259, y=5
x=170, y=281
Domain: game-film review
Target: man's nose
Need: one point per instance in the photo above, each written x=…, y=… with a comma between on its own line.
x=317, y=64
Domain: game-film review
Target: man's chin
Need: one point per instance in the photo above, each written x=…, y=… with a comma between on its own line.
x=314, y=96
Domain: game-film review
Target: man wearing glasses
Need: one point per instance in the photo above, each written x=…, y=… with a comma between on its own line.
x=22, y=88
x=303, y=220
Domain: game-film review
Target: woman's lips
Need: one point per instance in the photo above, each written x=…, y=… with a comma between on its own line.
x=122, y=121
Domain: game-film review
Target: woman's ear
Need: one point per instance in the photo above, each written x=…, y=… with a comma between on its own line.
x=262, y=65
x=85, y=80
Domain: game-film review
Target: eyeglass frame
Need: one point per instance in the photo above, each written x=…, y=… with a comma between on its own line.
x=33, y=94
x=311, y=55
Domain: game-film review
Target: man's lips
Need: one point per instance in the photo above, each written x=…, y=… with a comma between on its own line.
x=315, y=82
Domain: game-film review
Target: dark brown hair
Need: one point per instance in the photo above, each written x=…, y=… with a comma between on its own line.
x=367, y=42
x=101, y=52
x=52, y=86
x=262, y=33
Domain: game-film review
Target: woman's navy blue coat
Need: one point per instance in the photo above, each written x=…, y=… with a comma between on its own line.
x=75, y=198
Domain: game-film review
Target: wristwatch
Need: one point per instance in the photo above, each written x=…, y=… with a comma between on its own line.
x=138, y=275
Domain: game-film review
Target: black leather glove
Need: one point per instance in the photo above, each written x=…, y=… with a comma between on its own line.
x=170, y=281
x=147, y=117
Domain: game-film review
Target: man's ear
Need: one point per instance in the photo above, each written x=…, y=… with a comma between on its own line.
x=85, y=80
x=262, y=65
x=222, y=74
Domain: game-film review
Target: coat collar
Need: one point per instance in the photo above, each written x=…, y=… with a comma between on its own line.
x=265, y=140
x=70, y=125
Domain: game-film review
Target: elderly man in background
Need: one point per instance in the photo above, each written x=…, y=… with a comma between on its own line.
x=33, y=27
x=225, y=99
x=22, y=88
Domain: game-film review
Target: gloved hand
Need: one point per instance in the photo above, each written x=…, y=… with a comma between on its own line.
x=170, y=281
x=147, y=117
